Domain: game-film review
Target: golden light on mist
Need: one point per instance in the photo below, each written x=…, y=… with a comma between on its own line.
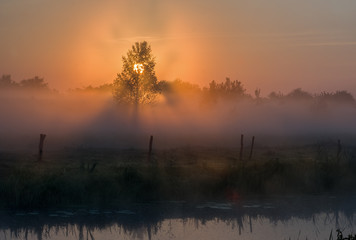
x=138, y=67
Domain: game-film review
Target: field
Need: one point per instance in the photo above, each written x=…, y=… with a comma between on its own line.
x=108, y=177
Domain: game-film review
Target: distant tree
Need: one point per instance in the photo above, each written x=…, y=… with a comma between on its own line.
x=184, y=87
x=299, y=94
x=178, y=87
x=137, y=83
x=177, y=91
x=101, y=88
x=164, y=86
x=343, y=97
x=225, y=90
x=105, y=87
x=231, y=88
x=258, y=98
x=258, y=93
x=34, y=83
x=276, y=96
x=7, y=82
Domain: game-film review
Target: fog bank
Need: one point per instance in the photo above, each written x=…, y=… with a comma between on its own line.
x=93, y=120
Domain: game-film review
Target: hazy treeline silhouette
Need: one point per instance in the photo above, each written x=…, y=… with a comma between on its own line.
x=35, y=83
x=235, y=91
x=102, y=88
x=213, y=93
x=298, y=94
x=229, y=90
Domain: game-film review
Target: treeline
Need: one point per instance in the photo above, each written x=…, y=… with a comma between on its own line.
x=228, y=90
x=102, y=88
x=35, y=83
x=300, y=95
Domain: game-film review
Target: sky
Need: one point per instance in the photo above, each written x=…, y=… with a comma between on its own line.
x=274, y=45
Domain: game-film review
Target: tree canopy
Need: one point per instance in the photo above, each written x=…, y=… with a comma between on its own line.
x=137, y=83
x=35, y=83
x=7, y=82
x=228, y=90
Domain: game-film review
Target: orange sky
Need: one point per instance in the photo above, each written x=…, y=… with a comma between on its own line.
x=273, y=45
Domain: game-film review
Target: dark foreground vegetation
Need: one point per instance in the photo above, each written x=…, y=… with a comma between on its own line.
x=104, y=177
x=340, y=236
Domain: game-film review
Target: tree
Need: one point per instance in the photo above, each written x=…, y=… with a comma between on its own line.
x=274, y=96
x=299, y=95
x=137, y=83
x=6, y=82
x=343, y=97
x=230, y=90
x=34, y=83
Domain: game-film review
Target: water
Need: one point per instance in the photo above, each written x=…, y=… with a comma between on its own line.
x=313, y=217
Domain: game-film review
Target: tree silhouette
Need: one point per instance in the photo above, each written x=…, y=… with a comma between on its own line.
x=137, y=83
x=34, y=83
x=342, y=97
x=276, y=96
x=228, y=90
x=299, y=94
x=7, y=82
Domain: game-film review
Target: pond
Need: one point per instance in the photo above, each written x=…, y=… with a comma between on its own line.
x=293, y=217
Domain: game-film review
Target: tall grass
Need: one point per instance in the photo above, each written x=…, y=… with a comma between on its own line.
x=107, y=177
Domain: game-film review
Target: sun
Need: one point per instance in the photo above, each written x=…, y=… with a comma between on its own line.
x=138, y=67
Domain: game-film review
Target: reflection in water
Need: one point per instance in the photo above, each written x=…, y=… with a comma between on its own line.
x=282, y=218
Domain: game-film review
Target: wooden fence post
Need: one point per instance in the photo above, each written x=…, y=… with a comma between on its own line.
x=241, y=146
x=40, y=147
x=150, y=149
x=253, y=142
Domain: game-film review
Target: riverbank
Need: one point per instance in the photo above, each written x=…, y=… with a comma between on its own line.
x=107, y=177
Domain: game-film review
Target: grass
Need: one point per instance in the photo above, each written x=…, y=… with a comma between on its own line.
x=340, y=236
x=104, y=177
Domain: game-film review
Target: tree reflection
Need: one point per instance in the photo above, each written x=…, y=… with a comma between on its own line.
x=148, y=219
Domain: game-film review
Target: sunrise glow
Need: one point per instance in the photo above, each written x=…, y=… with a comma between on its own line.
x=138, y=67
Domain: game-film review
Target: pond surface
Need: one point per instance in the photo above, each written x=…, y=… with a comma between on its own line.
x=312, y=217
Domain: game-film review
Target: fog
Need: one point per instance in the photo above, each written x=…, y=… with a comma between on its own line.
x=93, y=120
